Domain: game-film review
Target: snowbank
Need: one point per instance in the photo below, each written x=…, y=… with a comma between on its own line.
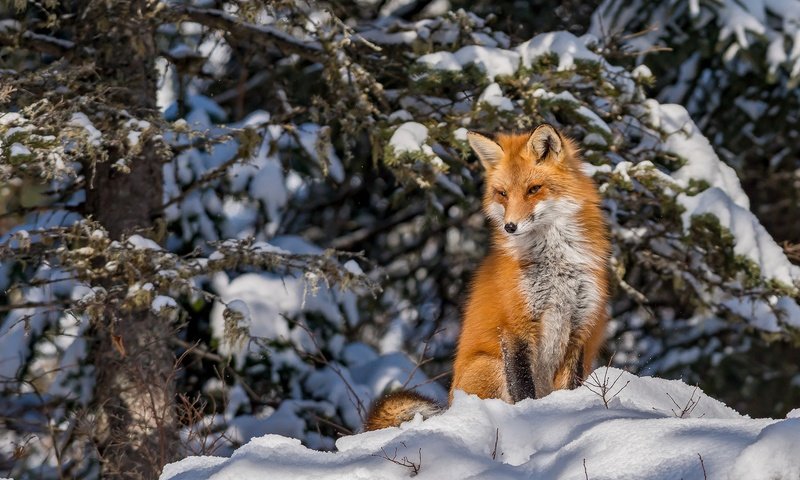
x=652, y=428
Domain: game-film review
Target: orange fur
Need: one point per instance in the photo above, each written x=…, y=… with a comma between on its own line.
x=509, y=328
x=496, y=309
x=398, y=407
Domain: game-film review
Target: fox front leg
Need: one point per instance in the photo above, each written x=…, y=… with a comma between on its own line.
x=517, y=370
x=570, y=373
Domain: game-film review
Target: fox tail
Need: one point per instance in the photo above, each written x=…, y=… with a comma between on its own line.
x=398, y=407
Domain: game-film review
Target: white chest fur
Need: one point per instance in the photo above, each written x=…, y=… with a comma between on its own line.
x=558, y=283
x=558, y=264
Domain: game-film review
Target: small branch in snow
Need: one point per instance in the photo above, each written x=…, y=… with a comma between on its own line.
x=496, y=438
x=585, y=472
x=604, y=387
x=703, y=466
x=404, y=462
x=688, y=407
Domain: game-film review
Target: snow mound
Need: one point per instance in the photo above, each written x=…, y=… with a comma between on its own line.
x=779, y=443
x=652, y=428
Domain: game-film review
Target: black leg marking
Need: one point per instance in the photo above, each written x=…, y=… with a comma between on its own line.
x=577, y=371
x=519, y=379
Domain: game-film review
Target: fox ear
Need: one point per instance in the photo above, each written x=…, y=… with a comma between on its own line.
x=488, y=151
x=544, y=141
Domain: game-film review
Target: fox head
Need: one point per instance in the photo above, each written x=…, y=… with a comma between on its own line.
x=532, y=179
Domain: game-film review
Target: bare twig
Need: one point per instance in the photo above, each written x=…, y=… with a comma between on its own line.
x=496, y=438
x=339, y=427
x=207, y=177
x=322, y=359
x=16, y=306
x=423, y=358
x=585, y=472
x=196, y=349
x=604, y=387
x=792, y=251
x=251, y=83
x=38, y=42
x=703, y=466
x=404, y=462
x=687, y=408
x=262, y=35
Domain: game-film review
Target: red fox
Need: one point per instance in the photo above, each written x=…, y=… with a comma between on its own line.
x=538, y=306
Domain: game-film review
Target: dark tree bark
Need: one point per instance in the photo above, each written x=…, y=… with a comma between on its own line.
x=135, y=390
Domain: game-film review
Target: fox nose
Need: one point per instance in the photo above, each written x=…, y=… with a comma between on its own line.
x=511, y=227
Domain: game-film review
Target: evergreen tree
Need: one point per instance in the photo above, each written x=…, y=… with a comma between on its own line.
x=225, y=219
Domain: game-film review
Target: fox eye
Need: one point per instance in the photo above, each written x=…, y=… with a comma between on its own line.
x=534, y=189
x=502, y=193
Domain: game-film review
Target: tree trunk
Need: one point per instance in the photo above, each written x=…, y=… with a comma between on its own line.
x=135, y=389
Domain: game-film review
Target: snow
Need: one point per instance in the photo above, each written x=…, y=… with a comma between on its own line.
x=22, y=326
x=79, y=119
x=441, y=61
x=642, y=72
x=19, y=150
x=163, y=302
x=266, y=297
x=702, y=163
x=567, y=46
x=733, y=19
x=353, y=267
x=16, y=332
x=493, y=95
x=282, y=421
x=789, y=311
x=315, y=141
x=581, y=110
x=751, y=239
x=267, y=181
x=395, y=38
x=490, y=60
x=568, y=434
x=137, y=128
x=270, y=299
x=409, y=137
x=141, y=243
x=768, y=24
x=773, y=455
x=381, y=374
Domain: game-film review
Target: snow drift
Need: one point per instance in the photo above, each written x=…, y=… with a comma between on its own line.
x=616, y=426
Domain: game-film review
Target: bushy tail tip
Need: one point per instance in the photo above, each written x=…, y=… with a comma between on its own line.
x=398, y=407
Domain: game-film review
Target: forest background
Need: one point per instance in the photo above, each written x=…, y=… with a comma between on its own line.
x=220, y=219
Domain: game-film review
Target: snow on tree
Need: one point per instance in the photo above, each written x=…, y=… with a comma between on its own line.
x=735, y=66
x=281, y=226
